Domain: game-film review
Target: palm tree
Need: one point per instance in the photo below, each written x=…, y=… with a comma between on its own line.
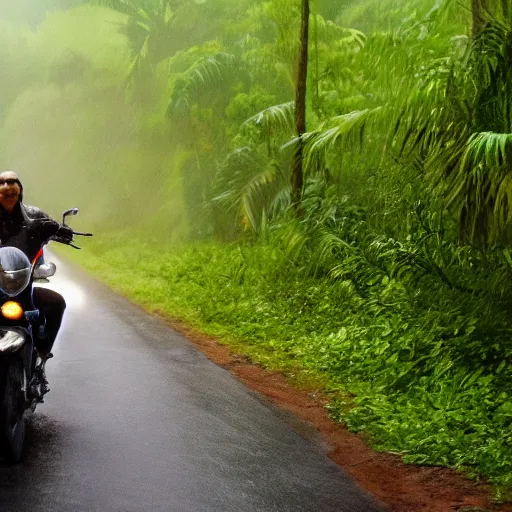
x=149, y=28
x=256, y=179
x=458, y=128
x=159, y=29
x=253, y=182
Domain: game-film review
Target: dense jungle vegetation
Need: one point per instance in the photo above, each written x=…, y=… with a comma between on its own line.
x=362, y=238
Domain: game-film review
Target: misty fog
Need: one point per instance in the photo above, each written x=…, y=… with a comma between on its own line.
x=68, y=127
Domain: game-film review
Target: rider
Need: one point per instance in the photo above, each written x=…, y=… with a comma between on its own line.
x=27, y=228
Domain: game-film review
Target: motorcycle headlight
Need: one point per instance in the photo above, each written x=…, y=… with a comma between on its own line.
x=12, y=310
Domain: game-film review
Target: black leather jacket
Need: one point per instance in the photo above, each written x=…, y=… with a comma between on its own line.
x=26, y=228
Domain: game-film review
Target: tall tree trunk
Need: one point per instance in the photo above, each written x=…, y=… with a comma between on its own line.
x=505, y=7
x=316, y=100
x=479, y=9
x=300, y=108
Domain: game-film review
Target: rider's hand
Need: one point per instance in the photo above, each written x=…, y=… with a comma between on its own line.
x=47, y=228
x=64, y=234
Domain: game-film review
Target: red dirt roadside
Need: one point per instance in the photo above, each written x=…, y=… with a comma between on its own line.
x=400, y=487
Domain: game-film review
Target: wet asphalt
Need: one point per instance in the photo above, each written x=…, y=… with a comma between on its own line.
x=138, y=420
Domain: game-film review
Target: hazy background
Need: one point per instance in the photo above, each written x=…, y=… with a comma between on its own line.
x=139, y=141
x=66, y=125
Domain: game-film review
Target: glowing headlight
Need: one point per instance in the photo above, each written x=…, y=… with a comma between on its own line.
x=12, y=310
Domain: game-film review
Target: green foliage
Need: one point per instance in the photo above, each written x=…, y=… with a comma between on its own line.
x=335, y=136
x=252, y=186
x=272, y=121
x=457, y=127
x=208, y=73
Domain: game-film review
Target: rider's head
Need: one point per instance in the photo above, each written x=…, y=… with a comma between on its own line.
x=11, y=190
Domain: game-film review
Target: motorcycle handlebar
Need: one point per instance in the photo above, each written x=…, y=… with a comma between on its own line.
x=81, y=234
x=67, y=241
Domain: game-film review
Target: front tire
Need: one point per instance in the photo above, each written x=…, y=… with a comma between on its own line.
x=12, y=421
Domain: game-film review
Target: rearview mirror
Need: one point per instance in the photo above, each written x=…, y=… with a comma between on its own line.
x=71, y=211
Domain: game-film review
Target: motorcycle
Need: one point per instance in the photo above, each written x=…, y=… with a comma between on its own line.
x=23, y=381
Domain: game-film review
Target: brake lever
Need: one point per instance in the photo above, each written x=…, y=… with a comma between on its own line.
x=82, y=234
x=74, y=246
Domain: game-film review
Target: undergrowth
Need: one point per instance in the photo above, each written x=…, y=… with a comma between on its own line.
x=424, y=370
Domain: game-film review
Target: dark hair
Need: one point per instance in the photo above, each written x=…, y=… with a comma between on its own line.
x=20, y=199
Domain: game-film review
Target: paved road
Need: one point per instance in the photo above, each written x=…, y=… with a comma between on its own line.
x=139, y=421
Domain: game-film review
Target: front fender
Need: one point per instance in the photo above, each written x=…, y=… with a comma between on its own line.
x=13, y=340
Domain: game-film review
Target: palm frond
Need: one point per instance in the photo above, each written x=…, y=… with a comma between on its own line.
x=184, y=60
x=481, y=184
x=250, y=184
x=144, y=25
x=206, y=74
x=336, y=134
x=456, y=126
x=330, y=32
x=274, y=120
x=122, y=6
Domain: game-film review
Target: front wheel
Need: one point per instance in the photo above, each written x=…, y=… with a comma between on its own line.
x=12, y=421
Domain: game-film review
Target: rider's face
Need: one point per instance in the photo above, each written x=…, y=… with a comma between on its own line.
x=9, y=190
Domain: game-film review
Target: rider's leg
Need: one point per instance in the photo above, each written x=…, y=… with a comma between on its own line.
x=52, y=305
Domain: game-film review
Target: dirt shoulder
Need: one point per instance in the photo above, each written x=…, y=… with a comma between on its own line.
x=403, y=488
